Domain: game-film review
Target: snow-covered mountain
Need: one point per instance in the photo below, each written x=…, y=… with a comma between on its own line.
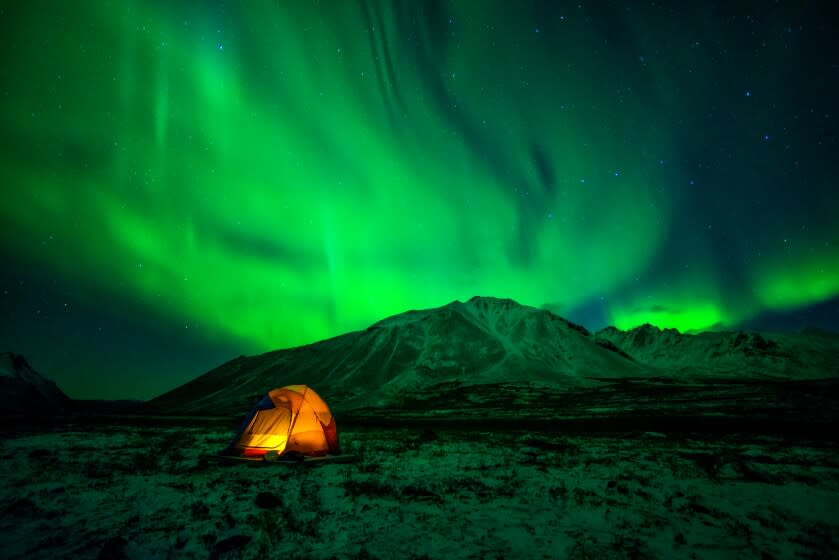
x=483, y=341
x=22, y=389
x=808, y=354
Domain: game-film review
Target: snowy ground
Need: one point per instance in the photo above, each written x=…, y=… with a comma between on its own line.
x=145, y=492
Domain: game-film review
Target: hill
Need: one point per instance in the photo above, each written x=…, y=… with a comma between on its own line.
x=22, y=389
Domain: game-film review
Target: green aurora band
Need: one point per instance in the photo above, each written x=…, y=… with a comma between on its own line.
x=284, y=172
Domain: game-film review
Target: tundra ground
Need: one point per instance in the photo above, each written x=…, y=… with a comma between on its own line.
x=148, y=491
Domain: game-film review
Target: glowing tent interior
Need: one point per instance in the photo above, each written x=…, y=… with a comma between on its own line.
x=293, y=418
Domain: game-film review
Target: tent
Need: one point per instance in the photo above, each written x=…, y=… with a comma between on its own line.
x=292, y=418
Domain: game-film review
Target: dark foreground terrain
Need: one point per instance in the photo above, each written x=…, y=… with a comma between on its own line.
x=143, y=488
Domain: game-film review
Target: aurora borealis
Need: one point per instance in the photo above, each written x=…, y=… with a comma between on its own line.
x=183, y=182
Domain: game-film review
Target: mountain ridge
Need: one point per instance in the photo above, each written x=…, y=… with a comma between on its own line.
x=750, y=353
x=489, y=341
x=475, y=348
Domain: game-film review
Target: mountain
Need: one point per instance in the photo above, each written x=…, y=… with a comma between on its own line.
x=22, y=389
x=492, y=358
x=808, y=354
x=484, y=342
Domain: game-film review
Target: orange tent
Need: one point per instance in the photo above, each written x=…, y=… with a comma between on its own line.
x=292, y=418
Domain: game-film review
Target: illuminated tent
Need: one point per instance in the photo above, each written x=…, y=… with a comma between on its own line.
x=292, y=418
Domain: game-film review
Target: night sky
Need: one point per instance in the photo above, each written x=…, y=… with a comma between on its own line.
x=185, y=182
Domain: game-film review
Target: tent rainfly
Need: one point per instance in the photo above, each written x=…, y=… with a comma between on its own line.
x=292, y=418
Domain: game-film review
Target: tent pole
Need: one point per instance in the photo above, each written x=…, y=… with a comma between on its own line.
x=296, y=414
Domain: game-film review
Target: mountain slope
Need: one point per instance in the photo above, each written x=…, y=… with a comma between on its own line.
x=484, y=341
x=22, y=389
